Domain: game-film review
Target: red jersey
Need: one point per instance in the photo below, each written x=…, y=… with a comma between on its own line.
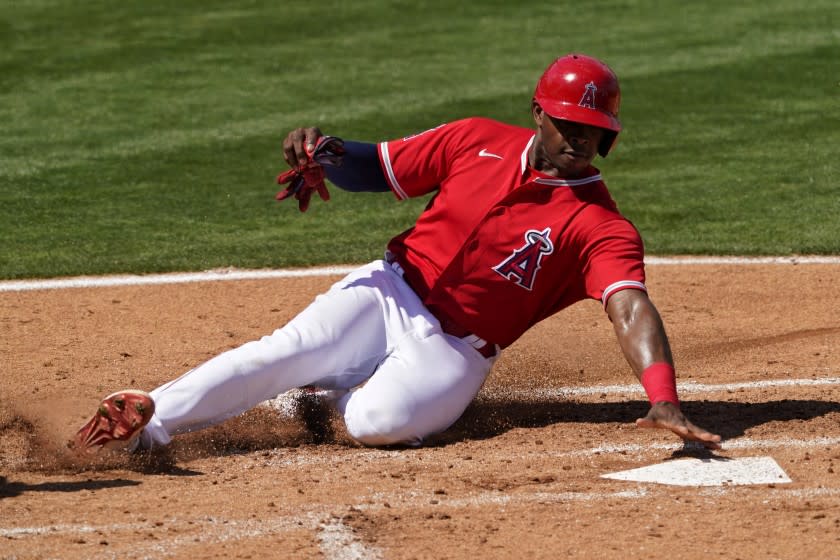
x=501, y=246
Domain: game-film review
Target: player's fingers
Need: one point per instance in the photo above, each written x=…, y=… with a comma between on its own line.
x=323, y=192
x=311, y=136
x=679, y=428
x=699, y=434
x=712, y=442
x=709, y=441
x=686, y=431
x=292, y=146
x=647, y=423
x=304, y=197
x=284, y=194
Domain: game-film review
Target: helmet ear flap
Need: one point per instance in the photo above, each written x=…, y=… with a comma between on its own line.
x=607, y=142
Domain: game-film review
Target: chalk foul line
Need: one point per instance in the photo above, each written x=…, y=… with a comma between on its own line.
x=173, y=278
x=686, y=387
x=237, y=274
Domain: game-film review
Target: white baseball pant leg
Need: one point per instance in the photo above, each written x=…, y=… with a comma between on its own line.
x=370, y=328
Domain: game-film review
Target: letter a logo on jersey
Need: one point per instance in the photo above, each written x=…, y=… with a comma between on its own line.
x=522, y=266
x=588, y=98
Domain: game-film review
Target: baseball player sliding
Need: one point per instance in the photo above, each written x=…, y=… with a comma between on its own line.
x=520, y=226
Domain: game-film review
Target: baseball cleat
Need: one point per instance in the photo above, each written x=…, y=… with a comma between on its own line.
x=117, y=422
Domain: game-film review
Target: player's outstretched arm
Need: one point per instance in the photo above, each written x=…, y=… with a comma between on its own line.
x=644, y=343
x=351, y=166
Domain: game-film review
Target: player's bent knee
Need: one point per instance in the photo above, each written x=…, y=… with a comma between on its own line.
x=381, y=426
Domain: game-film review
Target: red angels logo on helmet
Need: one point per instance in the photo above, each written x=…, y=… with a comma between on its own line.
x=588, y=99
x=582, y=89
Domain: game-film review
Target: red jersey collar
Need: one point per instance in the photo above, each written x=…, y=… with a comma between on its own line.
x=538, y=177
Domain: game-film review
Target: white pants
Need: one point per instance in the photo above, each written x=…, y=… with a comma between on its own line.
x=370, y=332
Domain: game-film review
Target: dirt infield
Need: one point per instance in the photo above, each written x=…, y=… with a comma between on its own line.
x=519, y=476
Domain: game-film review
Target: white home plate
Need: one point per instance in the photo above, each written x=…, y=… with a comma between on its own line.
x=708, y=472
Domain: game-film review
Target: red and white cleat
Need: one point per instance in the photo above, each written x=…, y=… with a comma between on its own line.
x=118, y=421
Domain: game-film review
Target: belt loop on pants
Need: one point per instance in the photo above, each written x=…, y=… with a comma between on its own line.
x=486, y=349
x=399, y=270
x=483, y=347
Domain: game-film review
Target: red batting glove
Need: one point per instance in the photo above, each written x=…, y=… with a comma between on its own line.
x=302, y=182
x=306, y=179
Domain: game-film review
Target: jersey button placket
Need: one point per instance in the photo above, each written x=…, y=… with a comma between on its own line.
x=493, y=213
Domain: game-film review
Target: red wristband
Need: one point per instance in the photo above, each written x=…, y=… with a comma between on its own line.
x=660, y=383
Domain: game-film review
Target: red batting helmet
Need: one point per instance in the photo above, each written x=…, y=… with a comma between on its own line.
x=582, y=89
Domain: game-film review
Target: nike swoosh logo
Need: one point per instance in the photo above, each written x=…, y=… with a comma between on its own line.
x=485, y=153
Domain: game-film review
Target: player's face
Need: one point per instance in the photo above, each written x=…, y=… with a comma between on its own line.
x=563, y=148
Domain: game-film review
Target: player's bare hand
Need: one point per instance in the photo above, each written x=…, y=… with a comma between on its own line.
x=666, y=416
x=297, y=143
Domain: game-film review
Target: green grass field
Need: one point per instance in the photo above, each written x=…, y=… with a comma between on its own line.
x=145, y=136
